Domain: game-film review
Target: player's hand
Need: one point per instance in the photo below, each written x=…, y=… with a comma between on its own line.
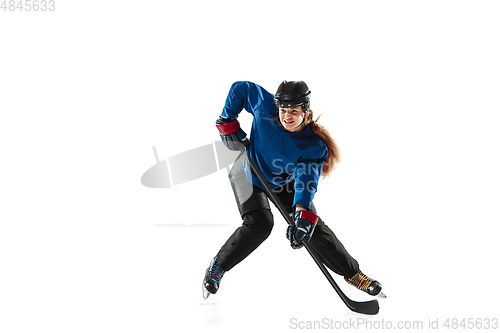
x=302, y=231
x=231, y=134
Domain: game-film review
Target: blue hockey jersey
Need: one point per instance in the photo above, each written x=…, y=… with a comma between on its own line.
x=281, y=155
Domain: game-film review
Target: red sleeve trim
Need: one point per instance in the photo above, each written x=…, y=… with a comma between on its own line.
x=229, y=128
x=304, y=214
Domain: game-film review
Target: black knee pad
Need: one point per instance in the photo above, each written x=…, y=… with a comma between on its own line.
x=261, y=221
x=248, y=197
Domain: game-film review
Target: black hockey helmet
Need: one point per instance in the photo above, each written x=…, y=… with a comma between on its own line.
x=293, y=93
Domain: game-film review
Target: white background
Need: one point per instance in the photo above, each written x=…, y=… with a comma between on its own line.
x=409, y=90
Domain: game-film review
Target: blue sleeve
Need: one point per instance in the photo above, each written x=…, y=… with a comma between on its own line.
x=244, y=95
x=307, y=176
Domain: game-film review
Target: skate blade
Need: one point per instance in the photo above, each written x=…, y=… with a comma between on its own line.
x=381, y=295
x=204, y=291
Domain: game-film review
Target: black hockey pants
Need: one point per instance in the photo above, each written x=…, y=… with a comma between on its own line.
x=254, y=208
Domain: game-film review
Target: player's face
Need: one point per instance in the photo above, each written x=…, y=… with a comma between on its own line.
x=291, y=118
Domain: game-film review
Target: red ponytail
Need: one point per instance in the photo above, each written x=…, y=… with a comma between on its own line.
x=333, y=149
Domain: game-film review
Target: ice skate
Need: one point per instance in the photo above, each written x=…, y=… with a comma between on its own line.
x=366, y=284
x=213, y=275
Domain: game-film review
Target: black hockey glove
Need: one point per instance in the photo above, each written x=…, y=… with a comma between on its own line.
x=302, y=231
x=231, y=133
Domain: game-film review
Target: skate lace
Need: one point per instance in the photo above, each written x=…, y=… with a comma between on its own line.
x=360, y=281
x=216, y=272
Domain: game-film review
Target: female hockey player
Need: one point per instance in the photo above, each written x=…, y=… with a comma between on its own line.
x=292, y=151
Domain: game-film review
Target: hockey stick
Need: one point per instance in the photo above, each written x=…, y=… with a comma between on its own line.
x=369, y=307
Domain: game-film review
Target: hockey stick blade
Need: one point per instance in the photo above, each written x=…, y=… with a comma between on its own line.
x=369, y=307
